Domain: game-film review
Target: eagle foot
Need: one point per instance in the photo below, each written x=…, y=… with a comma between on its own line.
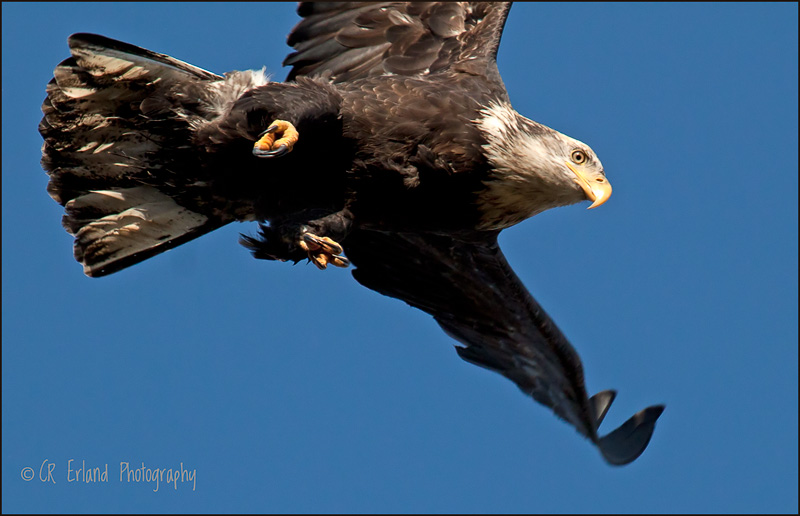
x=278, y=140
x=322, y=251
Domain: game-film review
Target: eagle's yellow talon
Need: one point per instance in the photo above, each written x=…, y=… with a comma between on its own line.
x=320, y=260
x=322, y=251
x=340, y=261
x=278, y=140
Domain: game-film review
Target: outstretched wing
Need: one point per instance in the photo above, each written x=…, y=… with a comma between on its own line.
x=352, y=40
x=471, y=291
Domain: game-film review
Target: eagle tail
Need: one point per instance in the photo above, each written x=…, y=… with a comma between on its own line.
x=627, y=442
x=118, y=127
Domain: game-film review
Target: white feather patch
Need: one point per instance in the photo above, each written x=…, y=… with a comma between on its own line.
x=528, y=174
x=223, y=94
x=137, y=219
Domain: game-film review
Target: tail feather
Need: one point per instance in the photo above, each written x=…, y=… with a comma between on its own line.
x=118, y=127
x=103, y=56
x=624, y=444
x=114, y=225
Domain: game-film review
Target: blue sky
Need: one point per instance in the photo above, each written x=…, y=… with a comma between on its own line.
x=682, y=289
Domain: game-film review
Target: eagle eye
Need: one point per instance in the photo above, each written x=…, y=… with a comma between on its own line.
x=578, y=156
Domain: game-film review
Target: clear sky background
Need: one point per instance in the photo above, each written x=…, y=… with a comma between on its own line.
x=290, y=389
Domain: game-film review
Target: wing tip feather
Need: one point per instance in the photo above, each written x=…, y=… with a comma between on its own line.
x=626, y=443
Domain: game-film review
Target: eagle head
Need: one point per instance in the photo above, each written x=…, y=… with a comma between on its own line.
x=533, y=168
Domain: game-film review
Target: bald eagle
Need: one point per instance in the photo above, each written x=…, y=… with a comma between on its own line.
x=392, y=145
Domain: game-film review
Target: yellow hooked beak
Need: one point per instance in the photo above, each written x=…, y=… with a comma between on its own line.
x=597, y=190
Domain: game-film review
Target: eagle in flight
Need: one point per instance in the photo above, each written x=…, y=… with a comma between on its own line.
x=391, y=145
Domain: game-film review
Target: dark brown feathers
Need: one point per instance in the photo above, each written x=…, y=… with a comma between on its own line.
x=356, y=40
x=467, y=285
